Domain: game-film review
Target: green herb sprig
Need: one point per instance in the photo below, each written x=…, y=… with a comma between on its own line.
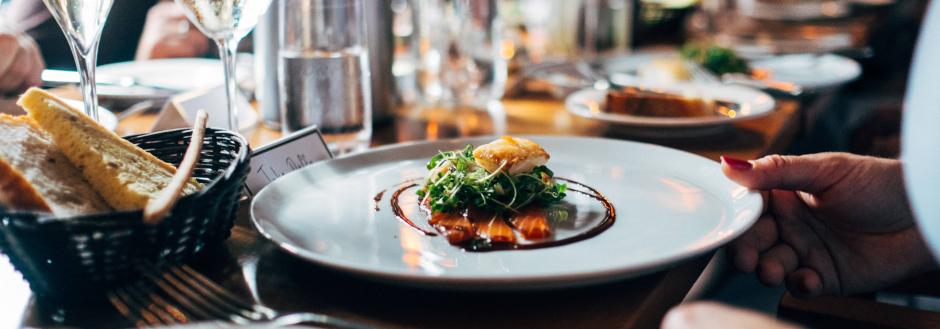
x=456, y=182
x=717, y=59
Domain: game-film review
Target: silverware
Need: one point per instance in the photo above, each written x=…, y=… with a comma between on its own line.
x=774, y=88
x=179, y=295
x=699, y=73
x=54, y=78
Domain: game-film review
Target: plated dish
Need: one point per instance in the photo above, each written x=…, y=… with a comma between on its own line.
x=680, y=104
x=498, y=196
x=669, y=206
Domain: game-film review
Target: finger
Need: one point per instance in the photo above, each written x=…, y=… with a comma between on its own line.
x=805, y=282
x=776, y=263
x=807, y=235
x=810, y=173
x=8, y=46
x=744, y=251
x=198, y=41
x=708, y=315
x=39, y=65
x=28, y=67
x=34, y=76
x=12, y=78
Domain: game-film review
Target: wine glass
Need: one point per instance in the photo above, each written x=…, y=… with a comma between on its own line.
x=82, y=22
x=226, y=22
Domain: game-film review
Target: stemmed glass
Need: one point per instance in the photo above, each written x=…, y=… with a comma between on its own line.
x=82, y=22
x=226, y=22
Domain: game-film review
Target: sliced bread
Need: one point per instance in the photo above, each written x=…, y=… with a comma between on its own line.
x=125, y=175
x=36, y=175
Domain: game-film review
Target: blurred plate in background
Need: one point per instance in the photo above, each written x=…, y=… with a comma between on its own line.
x=591, y=103
x=154, y=77
x=811, y=71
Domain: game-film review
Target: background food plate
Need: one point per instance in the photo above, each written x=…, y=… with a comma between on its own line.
x=591, y=103
x=670, y=206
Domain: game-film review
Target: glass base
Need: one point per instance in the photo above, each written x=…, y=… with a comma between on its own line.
x=347, y=143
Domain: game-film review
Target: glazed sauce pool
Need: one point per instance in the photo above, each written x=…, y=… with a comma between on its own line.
x=476, y=245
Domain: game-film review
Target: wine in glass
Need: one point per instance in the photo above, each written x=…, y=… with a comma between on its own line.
x=82, y=22
x=226, y=22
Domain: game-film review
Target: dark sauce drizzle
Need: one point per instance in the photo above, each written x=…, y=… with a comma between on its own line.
x=376, y=199
x=477, y=246
x=396, y=207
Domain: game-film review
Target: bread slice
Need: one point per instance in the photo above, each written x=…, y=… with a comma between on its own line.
x=125, y=175
x=36, y=175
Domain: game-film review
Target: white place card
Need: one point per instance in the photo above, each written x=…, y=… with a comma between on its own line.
x=180, y=111
x=290, y=153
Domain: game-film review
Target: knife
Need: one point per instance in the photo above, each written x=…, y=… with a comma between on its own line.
x=55, y=78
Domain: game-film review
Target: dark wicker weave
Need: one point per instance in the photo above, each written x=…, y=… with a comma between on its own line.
x=79, y=257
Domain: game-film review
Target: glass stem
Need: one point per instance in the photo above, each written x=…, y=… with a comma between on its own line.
x=228, y=48
x=85, y=63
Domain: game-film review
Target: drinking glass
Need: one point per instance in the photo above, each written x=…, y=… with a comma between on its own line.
x=323, y=65
x=226, y=22
x=461, y=54
x=82, y=22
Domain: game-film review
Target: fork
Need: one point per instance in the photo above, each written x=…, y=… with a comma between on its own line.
x=775, y=88
x=699, y=73
x=180, y=295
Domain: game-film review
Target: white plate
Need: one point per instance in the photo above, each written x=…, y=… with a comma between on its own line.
x=590, y=103
x=670, y=206
x=184, y=74
x=812, y=72
x=105, y=117
x=809, y=71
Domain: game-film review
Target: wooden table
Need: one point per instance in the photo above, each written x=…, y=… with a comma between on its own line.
x=289, y=284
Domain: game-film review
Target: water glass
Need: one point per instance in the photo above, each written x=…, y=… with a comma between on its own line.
x=323, y=71
x=460, y=57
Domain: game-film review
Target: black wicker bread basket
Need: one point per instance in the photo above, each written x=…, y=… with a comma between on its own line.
x=79, y=257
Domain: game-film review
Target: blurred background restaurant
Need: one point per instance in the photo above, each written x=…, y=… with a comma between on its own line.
x=850, y=57
x=437, y=69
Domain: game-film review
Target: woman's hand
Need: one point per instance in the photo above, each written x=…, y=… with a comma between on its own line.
x=710, y=315
x=834, y=224
x=168, y=34
x=21, y=63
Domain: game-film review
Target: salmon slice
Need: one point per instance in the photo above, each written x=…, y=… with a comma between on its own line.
x=532, y=223
x=453, y=226
x=491, y=227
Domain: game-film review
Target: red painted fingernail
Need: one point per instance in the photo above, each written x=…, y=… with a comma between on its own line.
x=736, y=164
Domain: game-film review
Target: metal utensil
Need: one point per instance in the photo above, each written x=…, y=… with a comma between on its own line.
x=55, y=78
x=178, y=295
x=774, y=88
x=699, y=73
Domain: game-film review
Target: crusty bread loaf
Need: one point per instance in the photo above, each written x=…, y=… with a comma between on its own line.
x=125, y=175
x=35, y=175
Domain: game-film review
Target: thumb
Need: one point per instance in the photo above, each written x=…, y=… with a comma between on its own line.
x=812, y=173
